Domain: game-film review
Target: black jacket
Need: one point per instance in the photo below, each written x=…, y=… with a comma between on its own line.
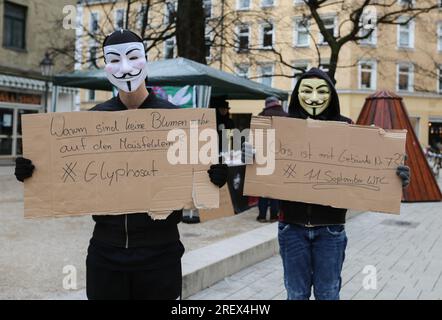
x=276, y=111
x=305, y=213
x=136, y=230
x=224, y=120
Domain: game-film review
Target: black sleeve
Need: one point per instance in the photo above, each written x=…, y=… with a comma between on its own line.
x=230, y=124
x=348, y=120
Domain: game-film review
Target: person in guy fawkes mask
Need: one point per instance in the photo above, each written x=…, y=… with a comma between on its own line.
x=312, y=237
x=132, y=256
x=125, y=60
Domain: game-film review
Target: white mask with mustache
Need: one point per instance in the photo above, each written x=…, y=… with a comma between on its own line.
x=126, y=65
x=314, y=95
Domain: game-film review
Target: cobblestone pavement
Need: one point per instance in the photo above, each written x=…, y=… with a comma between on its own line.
x=406, y=251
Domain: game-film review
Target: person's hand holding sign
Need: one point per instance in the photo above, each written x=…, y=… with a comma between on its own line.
x=23, y=169
x=403, y=173
x=218, y=174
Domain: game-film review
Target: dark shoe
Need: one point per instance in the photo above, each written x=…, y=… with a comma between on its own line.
x=191, y=220
x=260, y=219
x=273, y=219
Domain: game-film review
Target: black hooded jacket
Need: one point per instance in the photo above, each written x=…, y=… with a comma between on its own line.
x=136, y=230
x=306, y=213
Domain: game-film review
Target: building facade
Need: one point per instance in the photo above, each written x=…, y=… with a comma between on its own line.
x=28, y=30
x=270, y=41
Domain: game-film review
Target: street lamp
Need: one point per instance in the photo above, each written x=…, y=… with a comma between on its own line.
x=46, y=66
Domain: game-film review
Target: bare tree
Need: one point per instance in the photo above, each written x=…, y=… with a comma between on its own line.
x=154, y=20
x=190, y=30
x=387, y=12
x=161, y=20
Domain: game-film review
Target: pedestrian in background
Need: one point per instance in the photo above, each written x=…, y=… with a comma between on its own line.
x=272, y=108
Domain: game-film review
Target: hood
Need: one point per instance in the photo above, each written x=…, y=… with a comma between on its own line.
x=333, y=112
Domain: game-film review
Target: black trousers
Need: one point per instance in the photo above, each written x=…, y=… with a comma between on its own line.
x=158, y=284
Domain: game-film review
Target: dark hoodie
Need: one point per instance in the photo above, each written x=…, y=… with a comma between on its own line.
x=136, y=230
x=134, y=242
x=305, y=213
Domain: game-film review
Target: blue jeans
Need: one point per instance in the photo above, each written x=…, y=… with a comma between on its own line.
x=312, y=257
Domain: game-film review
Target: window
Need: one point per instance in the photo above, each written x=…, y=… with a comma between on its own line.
x=439, y=36
x=243, y=4
x=91, y=95
x=407, y=3
x=266, y=74
x=169, y=48
x=405, y=33
x=207, y=4
x=142, y=19
x=267, y=3
x=170, y=12
x=243, y=38
x=242, y=70
x=330, y=25
x=119, y=19
x=208, y=45
x=267, y=35
x=405, y=77
x=439, y=80
x=300, y=68
x=301, y=34
x=368, y=26
x=14, y=26
x=93, y=56
x=93, y=22
x=371, y=39
x=367, y=75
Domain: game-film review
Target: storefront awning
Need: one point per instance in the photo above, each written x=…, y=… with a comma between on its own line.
x=180, y=72
x=15, y=82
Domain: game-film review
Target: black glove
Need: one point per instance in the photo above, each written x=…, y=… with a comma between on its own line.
x=218, y=174
x=23, y=169
x=404, y=173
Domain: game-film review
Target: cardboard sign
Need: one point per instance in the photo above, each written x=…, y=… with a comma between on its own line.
x=225, y=207
x=330, y=163
x=109, y=163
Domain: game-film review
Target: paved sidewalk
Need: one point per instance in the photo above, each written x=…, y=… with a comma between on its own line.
x=406, y=251
x=35, y=252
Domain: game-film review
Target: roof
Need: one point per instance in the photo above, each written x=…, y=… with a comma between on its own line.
x=386, y=110
x=180, y=72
